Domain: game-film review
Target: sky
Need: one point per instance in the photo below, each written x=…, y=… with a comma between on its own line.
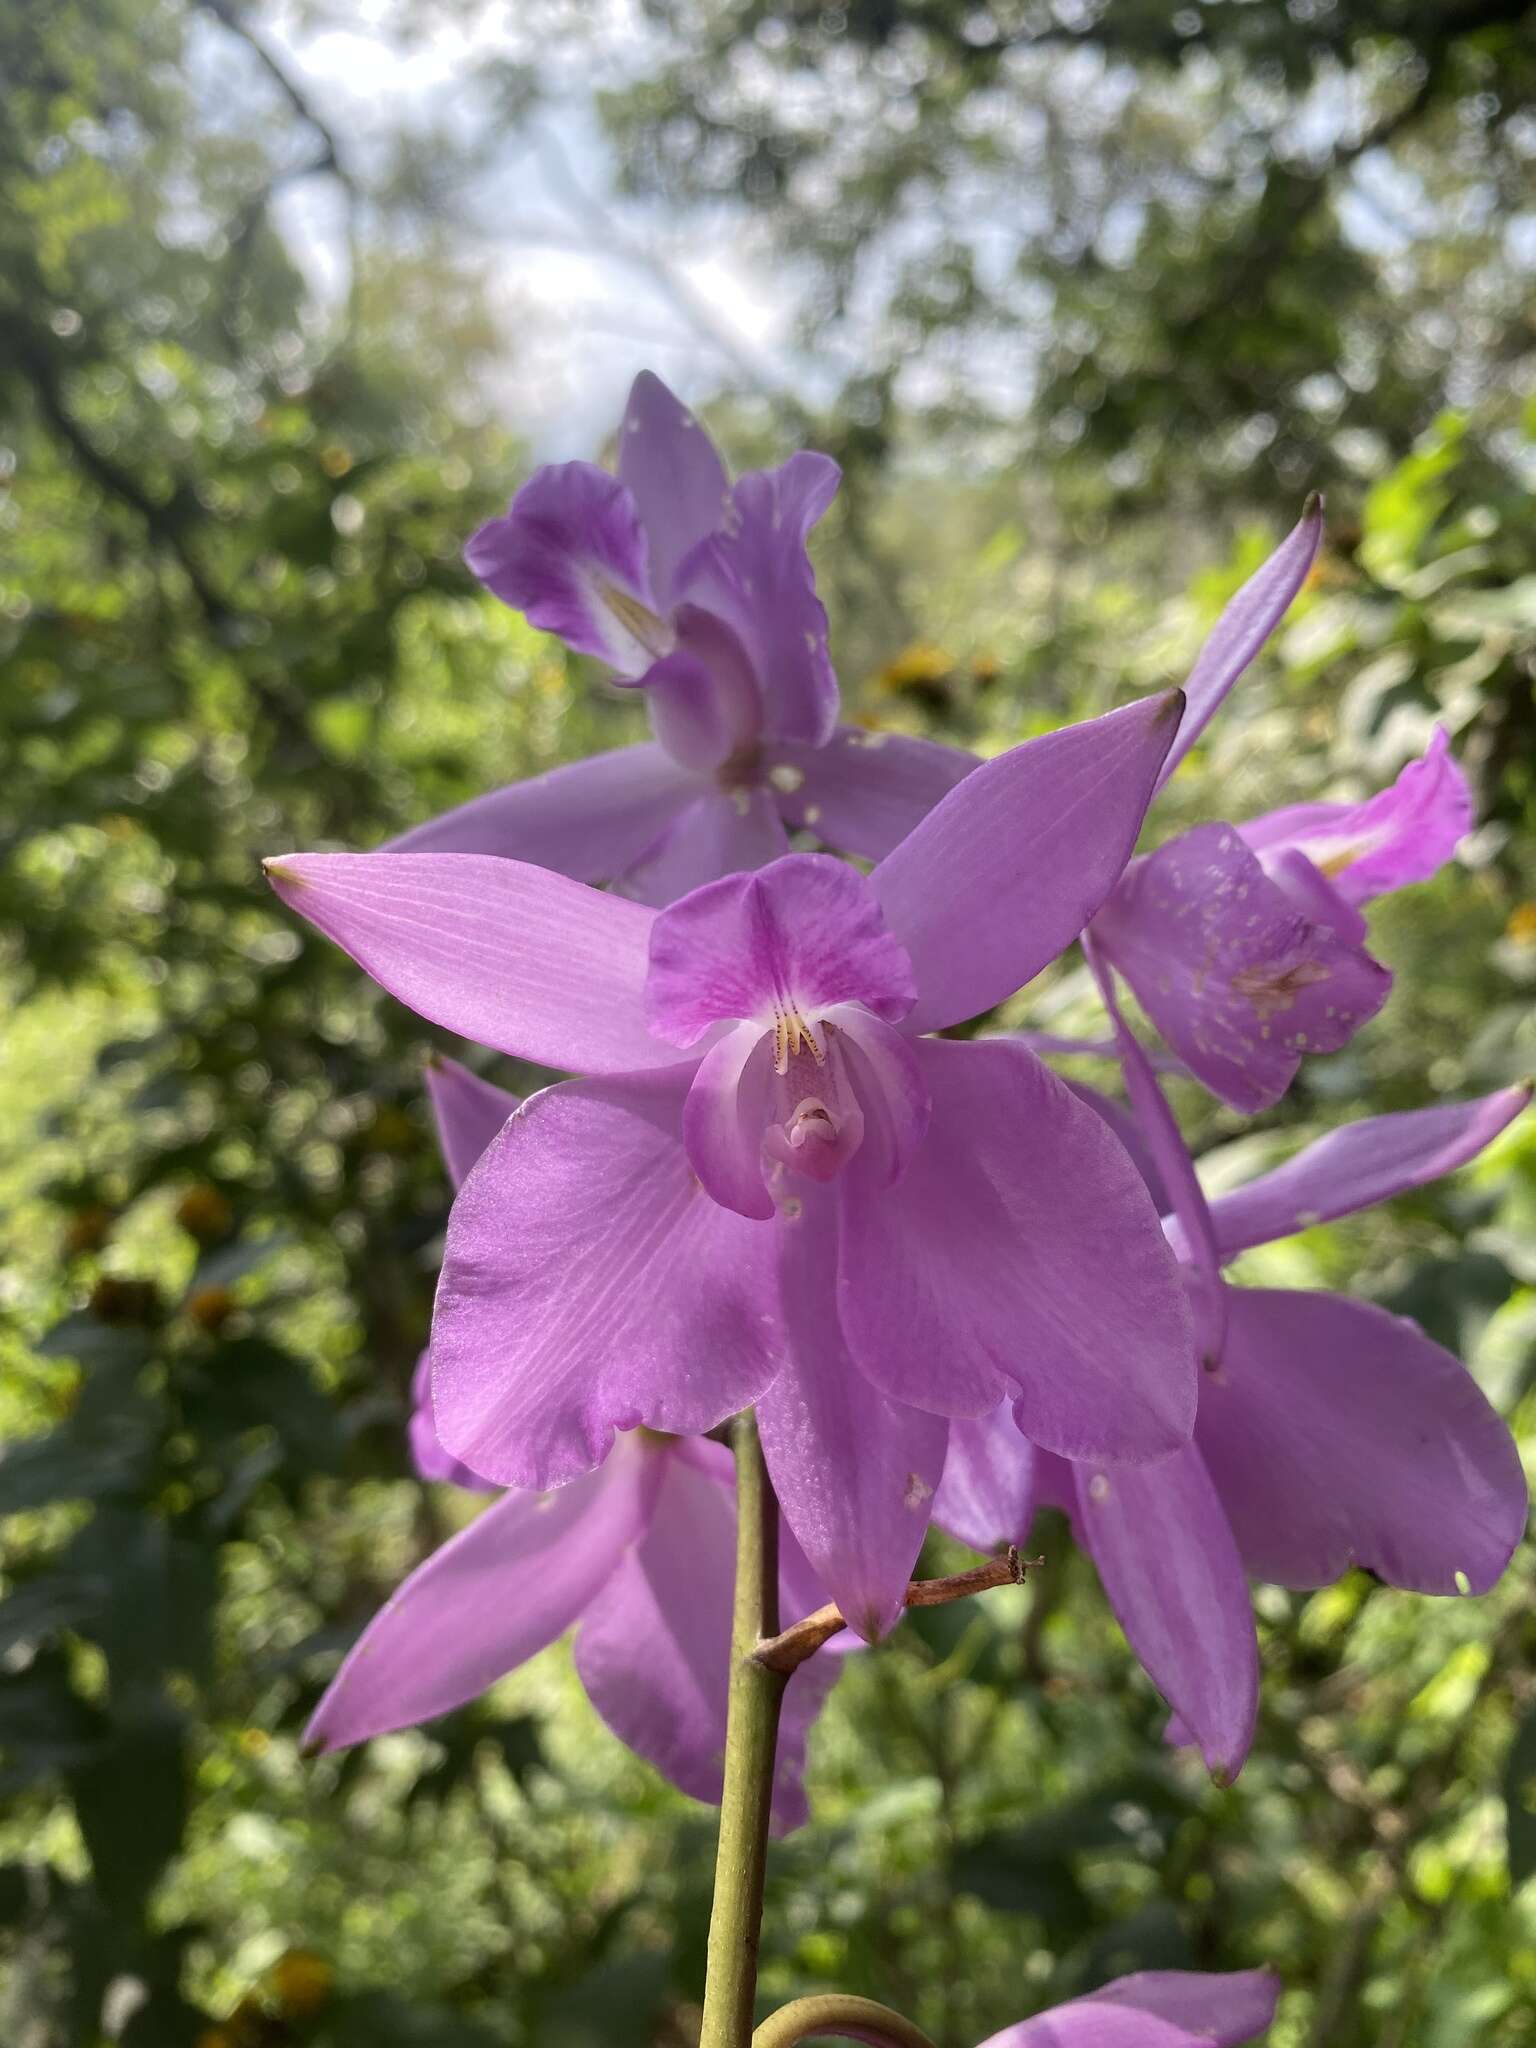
x=580, y=320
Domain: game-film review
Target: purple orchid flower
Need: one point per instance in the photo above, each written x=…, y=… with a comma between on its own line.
x=774, y=1188
x=1155, y=2009
x=1330, y=1434
x=700, y=593
x=637, y=1556
x=1245, y=944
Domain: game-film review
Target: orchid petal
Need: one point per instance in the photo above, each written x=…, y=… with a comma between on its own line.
x=1339, y=1435
x=514, y=957
x=591, y=820
x=654, y=1648
x=1235, y=977
x=1021, y=1254
x=1127, y=1129
x=794, y=938
x=991, y=1485
x=725, y=1116
x=1005, y=872
x=1171, y=1570
x=1155, y=2009
x=1403, y=834
x=428, y=1458
x=854, y=1473
x=502, y=1589
x=722, y=832
x=1249, y=619
x=702, y=697
x=468, y=1112
x=890, y=1087
x=589, y=1284
x=863, y=792
x=1084, y=2025
x=570, y=555
x=755, y=574
x=1220, y=2010
x=1175, y=1169
x=1359, y=1165
x=1314, y=895
x=669, y=466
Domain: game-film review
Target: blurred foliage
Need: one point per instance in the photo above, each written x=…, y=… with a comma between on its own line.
x=233, y=621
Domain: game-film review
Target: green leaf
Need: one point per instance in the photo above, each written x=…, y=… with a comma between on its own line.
x=131, y=1802
x=618, y=2005
x=1015, y=1878
x=377, y=2020
x=44, y=1726
x=43, y=1606
x=231, y=1262
x=91, y=1342
x=1520, y=1801
x=162, y=1586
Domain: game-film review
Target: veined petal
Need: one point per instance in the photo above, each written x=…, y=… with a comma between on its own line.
x=590, y=1284
x=702, y=697
x=468, y=1112
x=1019, y=1254
x=992, y=1480
x=724, y=1119
x=1156, y=2009
x=855, y=1473
x=1238, y=980
x=669, y=466
x=1004, y=873
x=1220, y=2010
x=1196, y=1237
x=890, y=1086
x=1123, y=1123
x=1313, y=894
x=1359, y=1165
x=1244, y=626
x=1339, y=1435
x=428, y=1457
x=756, y=575
x=863, y=792
x=722, y=832
x=505, y=1587
x=789, y=941
x=654, y=1647
x=1171, y=1571
x=570, y=555
x=509, y=955
x=1403, y=834
x=591, y=820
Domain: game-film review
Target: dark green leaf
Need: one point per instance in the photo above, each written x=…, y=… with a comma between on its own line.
x=1520, y=1801
x=131, y=1802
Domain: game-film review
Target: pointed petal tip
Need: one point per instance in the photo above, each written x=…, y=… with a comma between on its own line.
x=1313, y=508
x=872, y=1625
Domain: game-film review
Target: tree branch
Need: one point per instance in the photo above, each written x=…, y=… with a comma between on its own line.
x=788, y=1651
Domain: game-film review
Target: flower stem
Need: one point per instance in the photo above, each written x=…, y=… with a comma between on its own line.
x=751, y=1737
x=850, y=2019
